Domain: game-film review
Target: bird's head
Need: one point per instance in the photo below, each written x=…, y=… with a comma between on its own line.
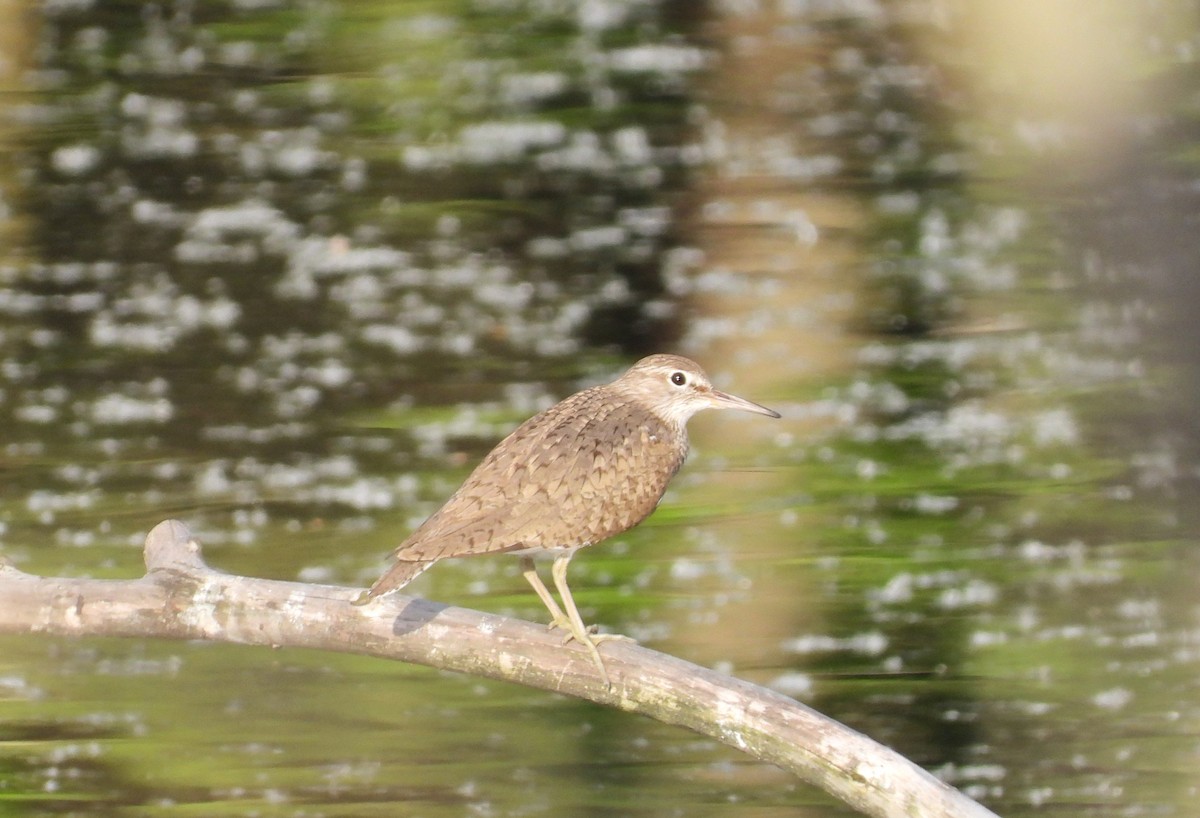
x=675, y=388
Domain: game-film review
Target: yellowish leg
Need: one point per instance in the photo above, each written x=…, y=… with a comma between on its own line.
x=557, y=618
x=579, y=632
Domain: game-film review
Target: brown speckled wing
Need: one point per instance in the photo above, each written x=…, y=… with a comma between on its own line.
x=586, y=469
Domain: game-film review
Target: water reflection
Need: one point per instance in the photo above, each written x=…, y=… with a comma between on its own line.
x=288, y=273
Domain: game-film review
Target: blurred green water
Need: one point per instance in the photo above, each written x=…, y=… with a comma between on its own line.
x=287, y=273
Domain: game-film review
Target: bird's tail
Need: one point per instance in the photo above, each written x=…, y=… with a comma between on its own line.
x=400, y=574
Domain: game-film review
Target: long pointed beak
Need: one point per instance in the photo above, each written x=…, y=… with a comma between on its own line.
x=723, y=400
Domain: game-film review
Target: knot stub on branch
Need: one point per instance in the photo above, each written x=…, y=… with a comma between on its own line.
x=171, y=546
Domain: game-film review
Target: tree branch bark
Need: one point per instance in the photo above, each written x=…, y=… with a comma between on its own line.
x=182, y=598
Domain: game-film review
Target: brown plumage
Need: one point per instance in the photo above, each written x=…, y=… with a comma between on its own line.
x=587, y=468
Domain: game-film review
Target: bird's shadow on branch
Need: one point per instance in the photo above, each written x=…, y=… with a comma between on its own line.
x=416, y=614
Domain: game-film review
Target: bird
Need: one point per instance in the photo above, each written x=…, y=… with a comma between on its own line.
x=590, y=467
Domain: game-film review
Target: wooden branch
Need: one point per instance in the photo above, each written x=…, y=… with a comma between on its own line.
x=182, y=598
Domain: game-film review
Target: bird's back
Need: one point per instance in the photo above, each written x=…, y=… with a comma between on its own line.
x=587, y=468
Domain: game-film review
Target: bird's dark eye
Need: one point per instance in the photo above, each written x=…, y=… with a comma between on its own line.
x=678, y=378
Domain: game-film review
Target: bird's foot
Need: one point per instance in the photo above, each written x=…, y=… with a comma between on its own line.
x=608, y=637
x=591, y=640
x=564, y=624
